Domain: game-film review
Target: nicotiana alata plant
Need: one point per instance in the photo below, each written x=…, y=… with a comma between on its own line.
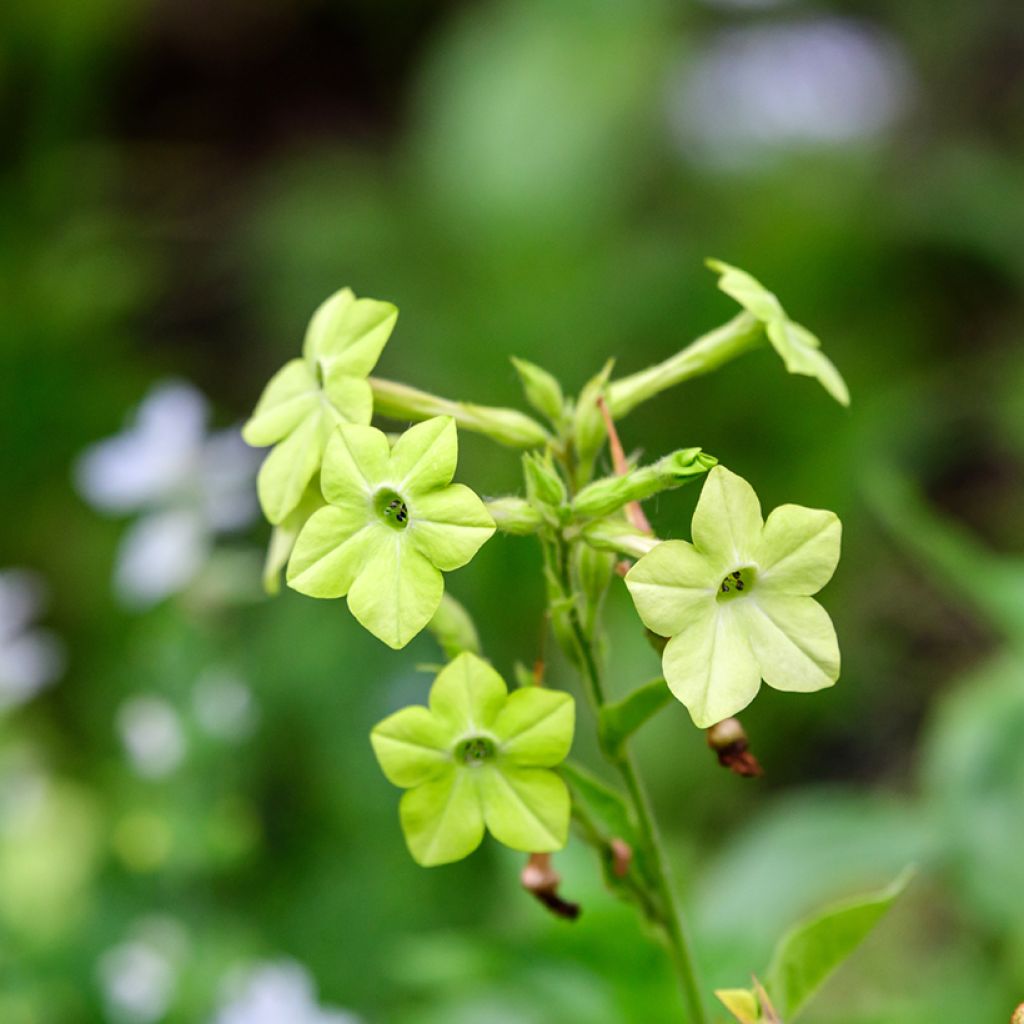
x=377, y=519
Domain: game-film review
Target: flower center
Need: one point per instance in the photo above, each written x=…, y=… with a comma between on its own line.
x=737, y=583
x=474, y=751
x=391, y=508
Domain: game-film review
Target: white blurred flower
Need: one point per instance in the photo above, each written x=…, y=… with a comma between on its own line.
x=276, y=993
x=152, y=735
x=30, y=659
x=757, y=90
x=139, y=977
x=187, y=484
x=224, y=705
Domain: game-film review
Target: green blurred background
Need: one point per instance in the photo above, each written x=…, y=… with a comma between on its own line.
x=181, y=183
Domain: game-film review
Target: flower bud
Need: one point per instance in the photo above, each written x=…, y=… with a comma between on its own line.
x=542, y=390
x=515, y=515
x=615, y=534
x=589, y=429
x=543, y=484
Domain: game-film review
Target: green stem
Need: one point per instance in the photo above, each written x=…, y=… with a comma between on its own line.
x=676, y=933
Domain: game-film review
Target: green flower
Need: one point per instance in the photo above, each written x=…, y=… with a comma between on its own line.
x=799, y=348
x=393, y=522
x=479, y=756
x=308, y=397
x=736, y=602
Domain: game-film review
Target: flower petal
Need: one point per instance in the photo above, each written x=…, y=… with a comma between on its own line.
x=398, y=590
x=449, y=526
x=289, y=467
x=424, y=457
x=355, y=462
x=286, y=401
x=793, y=640
x=331, y=551
x=468, y=694
x=799, y=549
x=350, y=398
x=801, y=352
x=526, y=808
x=443, y=819
x=709, y=666
x=346, y=335
x=535, y=727
x=727, y=522
x=412, y=747
x=669, y=583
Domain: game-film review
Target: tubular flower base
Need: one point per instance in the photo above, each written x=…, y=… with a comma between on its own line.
x=736, y=602
x=479, y=756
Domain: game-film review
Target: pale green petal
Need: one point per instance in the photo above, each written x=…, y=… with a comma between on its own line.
x=727, y=521
x=443, y=819
x=526, y=808
x=331, y=551
x=747, y=291
x=449, y=526
x=398, y=590
x=355, y=462
x=350, y=399
x=285, y=402
x=288, y=469
x=535, y=727
x=799, y=549
x=801, y=352
x=669, y=583
x=424, y=457
x=412, y=747
x=284, y=535
x=346, y=334
x=709, y=665
x=792, y=639
x=468, y=694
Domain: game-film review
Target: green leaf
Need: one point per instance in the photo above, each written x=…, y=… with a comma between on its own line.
x=815, y=947
x=542, y=390
x=619, y=721
x=799, y=348
x=603, y=803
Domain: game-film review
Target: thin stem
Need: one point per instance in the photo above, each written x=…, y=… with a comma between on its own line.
x=676, y=933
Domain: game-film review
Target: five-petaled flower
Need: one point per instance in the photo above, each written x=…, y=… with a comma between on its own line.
x=737, y=601
x=308, y=397
x=479, y=756
x=393, y=522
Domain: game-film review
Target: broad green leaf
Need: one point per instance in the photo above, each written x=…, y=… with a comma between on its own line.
x=619, y=721
x=815, y=947
x=412, y=747
x=535, y=727
x=443, y=819
x=542, y=390
x=525, y=808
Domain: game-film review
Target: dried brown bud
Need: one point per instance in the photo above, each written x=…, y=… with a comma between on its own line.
x=541, y=880
x=728, y=740
x=622, y=857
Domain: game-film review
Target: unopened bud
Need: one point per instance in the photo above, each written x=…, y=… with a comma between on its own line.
x=515, y=515
x=542, y=390
x=615, y=534
x=543, y=484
